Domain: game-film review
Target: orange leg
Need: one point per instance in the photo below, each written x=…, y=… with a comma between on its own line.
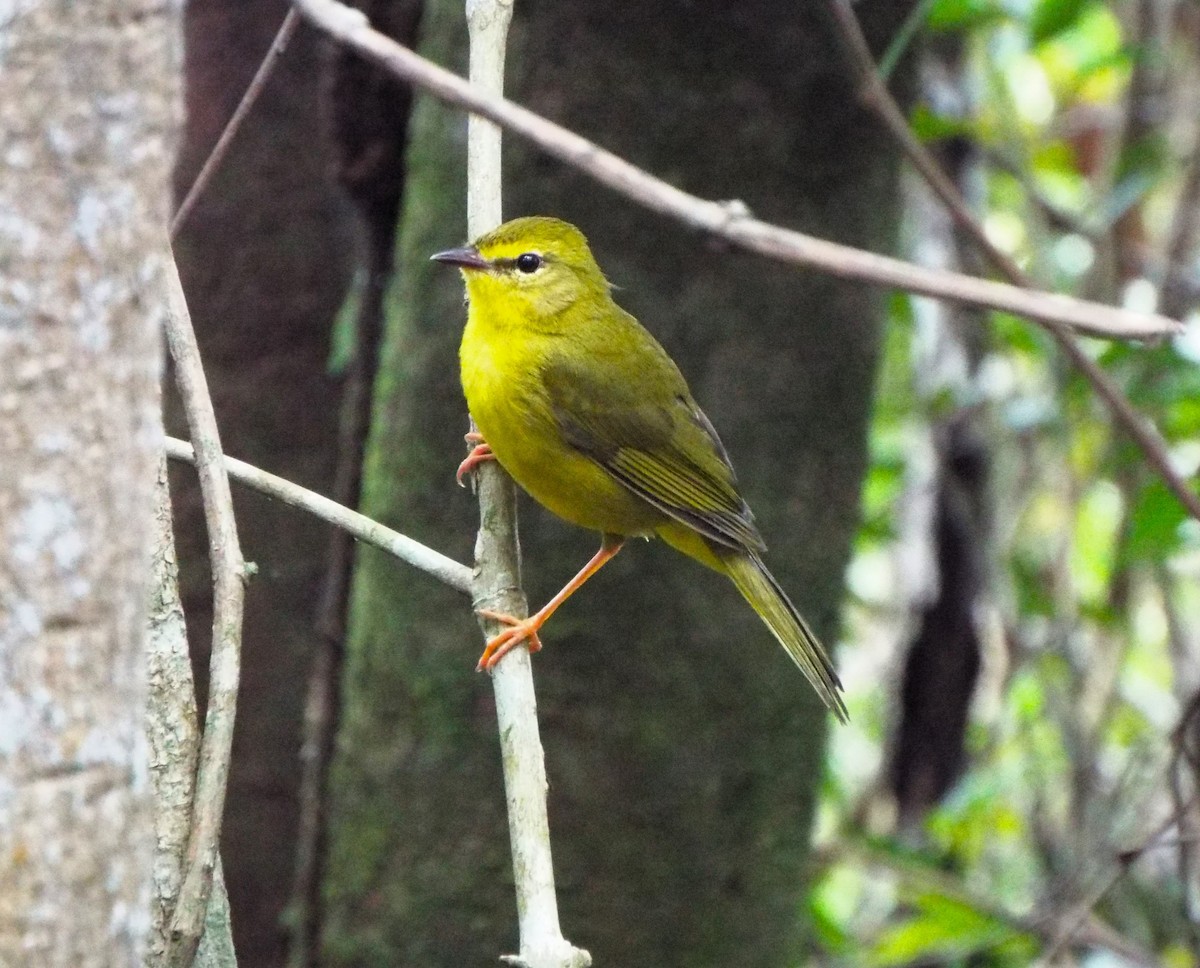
x=479, y=453
x=525, y=629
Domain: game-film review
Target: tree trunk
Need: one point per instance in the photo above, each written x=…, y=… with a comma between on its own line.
x=683, y=748
x=82, y=248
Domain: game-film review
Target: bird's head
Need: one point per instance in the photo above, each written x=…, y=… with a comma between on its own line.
x=534, y=267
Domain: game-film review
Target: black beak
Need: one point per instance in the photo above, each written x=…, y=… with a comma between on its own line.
x=465, y=258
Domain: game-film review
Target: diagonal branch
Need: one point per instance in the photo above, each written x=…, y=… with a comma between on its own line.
x=228, y=568
x=727, y=220
x=221, y=148
x=877, y=96
x=434, y=563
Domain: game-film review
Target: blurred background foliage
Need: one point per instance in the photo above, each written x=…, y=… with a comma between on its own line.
x=1065, y=803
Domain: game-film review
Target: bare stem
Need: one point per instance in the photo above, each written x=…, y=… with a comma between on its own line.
x=1179, y=285
x=434, y=563
x=498, y=565
x=221, y=148
x=228, y=568
x=174, y=737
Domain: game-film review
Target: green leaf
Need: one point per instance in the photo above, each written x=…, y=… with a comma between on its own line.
x=963, y=14
x=943, y=927
x=1052, y=17
x=829, y=914
x=929, y=126
x=1154, y=528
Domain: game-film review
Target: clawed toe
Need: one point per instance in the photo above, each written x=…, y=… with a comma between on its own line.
x=519, y=630
x=479, y=454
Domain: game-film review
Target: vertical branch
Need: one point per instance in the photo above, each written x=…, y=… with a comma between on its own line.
x=943, y=660
x=1139, y=152
x=174, y=740
x=322, y=703
x=187, y=921
x=1179, y=285
x=498, y=566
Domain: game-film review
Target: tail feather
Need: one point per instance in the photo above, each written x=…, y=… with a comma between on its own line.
x=759, y=587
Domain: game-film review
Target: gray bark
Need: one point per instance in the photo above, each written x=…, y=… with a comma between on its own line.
x=87, y=111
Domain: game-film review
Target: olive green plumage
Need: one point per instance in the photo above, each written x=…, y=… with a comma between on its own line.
x=588, y=413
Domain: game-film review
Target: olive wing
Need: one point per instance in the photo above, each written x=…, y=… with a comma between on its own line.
x=629, y=410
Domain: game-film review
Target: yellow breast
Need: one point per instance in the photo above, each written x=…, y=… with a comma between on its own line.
x=501, y=381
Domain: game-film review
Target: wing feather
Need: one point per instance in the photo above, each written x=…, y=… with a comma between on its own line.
x=652, y=438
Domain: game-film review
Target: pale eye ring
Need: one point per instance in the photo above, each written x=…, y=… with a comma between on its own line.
x=529, y=262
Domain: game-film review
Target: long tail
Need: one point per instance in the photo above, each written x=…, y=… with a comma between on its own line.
x=759, y=587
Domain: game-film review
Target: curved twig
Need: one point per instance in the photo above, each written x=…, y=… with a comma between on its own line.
x=228, y=568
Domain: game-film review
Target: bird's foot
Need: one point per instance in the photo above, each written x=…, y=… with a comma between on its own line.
x=519, y=630
x=480, y=453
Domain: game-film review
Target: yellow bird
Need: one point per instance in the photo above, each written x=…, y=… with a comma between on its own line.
x=588, y=413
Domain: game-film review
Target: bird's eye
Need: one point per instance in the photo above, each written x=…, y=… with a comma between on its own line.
x=529, y=262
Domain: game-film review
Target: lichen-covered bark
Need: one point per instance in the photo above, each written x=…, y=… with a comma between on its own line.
x=87, y=111
x=683, y=749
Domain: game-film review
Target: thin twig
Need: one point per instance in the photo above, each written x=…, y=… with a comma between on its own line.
x=1138, y=427
x=173, y=733
x=221, y=148
x=728, y=220
x=1179, y=284
x=228, y=570
x=1057, y=218
x=875, y=95
x=434, y=563
x=1068, y=926
x=498, y=567
x=903, y=38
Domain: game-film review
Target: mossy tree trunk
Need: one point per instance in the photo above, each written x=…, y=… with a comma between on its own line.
x=683, y=748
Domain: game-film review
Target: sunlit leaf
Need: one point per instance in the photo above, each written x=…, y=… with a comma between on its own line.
x=930, y=126
x=1154, y=525
x=1050, y=17
x=963, y=14
x=943, y=927
x=830, y=907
